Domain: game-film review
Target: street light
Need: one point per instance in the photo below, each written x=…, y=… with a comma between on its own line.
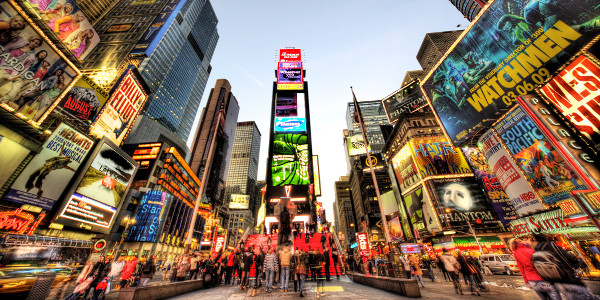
x=128, y=221
x=472, y=231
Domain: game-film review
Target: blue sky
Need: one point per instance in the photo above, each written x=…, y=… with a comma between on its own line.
x=365, y=44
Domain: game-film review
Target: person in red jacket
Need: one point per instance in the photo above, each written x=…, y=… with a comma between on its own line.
x=523, y=252
x=229, y=268
x=128, y=270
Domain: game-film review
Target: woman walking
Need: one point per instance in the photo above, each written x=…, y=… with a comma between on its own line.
x=523, y=252
x=301, y=270
x=414, y=264
x=453, y=268
x=468, y=272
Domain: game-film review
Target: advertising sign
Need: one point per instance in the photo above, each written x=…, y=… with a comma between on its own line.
x=591, y=200
x=121, y=110
x=68, y=23
x=316, y=176
x=549, y=222
x=290, y=160
x=47, y=175
x=19, y=222
x=239, y=201
x=410, y=248
x=286, y=124
x=523, y=198
x=461, y=200
x=149, y=217
x=84, y=210
x=84, y=100
x=545, y=169
x=35, y=75
x=404, y=101
x=435, y=156
x=290, y=76
x=513, y=46
x=392, y=215
x=405, y=168
x=376, y=162
x=219, y=243
x=157, y=29
x=419, y=212
x=492, y=187
x=574, y=94
x=286, y=105
x=12, y=156
x=362, y=240
x=290, y=55
x=356, y=145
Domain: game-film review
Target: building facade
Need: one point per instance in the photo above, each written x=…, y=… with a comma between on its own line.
x=345, y=222
x=469, y=8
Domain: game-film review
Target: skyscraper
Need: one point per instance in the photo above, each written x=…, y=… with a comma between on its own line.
x=374, y=115
x=469, y=8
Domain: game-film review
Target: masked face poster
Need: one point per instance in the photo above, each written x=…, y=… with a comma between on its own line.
x=514, y=46
x=545, y=169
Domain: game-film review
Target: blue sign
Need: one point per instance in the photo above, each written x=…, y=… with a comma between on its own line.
x=290, y=124
x=153, y=35
x=148, y=219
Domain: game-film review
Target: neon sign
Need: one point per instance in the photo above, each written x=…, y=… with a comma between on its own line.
x=219, y=243
x=18, y=221
x=362, y=239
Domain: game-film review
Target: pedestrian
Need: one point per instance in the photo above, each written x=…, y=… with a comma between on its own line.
x=523, y=252
x=269, y=266
x=335, y=256
x=414, y=264
x=237, y=261
x=116, y=267
x=555, y=265
x=128, y=271
x=100, y=270
x=302, y=270
x=246, y=264
x=182, y=268
x=259, y=259
x=229, y=268
x=428, y=263
x=468, y=272
x=323, y=239
x=453, y=268
x=327, y=261
x=442, y=267
x=194, y=266
x=478, y=276
x=148, y=269
x=295, y=258
x=406, y=266
x=285, y=258
x=312, y=263
x=174, y=266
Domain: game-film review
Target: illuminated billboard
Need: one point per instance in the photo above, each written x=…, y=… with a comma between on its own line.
x=290, y=160
x=239, y=201
x=13, y=154
x=47, y=175
x=290, y=76
x=434, y=155
x=405, y=168
x=362, y=240
x=286, y=124
x=36, y=74
x=157, y=29
x=356, y=145
x=513, y=46
x=121, y=110
x=84, y=100
x=404, y=101
x=420, y=212
x=149, y=217
x=392, y=215
x=286, y=105
x=545, y=169
x=574, y=94
x=290, y=55
x=316, y=175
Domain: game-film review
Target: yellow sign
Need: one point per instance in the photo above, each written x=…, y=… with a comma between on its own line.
x=290, y=86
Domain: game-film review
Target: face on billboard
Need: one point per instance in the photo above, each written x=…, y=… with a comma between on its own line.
x=32, y=75
x=514, y=46
x=68, y=23
x=405, y=101
x=435, y=156
x=290, y=160
x=405, y=169
x=84, y=100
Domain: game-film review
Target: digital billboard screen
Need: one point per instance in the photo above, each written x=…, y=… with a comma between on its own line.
x=290, y=76
x=420, y=212
x=83, y=101
x=157, y=29
x=149, y=217
x=290, y=160
x=238, y=201
x=512, y=47
x=356, y=145
x=404, y=101
x=285, y=124
x=290, y=55
x=435, y=156
x=286, y=104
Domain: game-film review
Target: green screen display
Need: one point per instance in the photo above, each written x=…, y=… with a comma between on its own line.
x=289, y=163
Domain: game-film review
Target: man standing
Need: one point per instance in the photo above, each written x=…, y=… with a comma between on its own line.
x=285, y=257
x=335, y=256
x=269, y=267
x=327, y=262
x=99, y=271
x=148, y=270
x=194, y=267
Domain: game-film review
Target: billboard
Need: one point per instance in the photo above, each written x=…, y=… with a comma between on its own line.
x=33, y=74
x=545, y=169
x=356, y=145
x=376, y=162
x=290, y=160
x=286, y=124
x=435, y=156
x=119, y=113
x=290, y=55
x=362, y=240
x=83, y=101
x=420, y=213
x=523, y=198
x=406, y=100
x=392, y=216
x=157, y=29
x=47, y=175
x=461, y=200
x=239, y=201
x=405, y=168
x=290, y=76
x=12, y=156
x=286, y=105
x=149, y=217
x=69, y=24
x=574, y=94
x=513, y=46
x=316, y=175
x=492, y=187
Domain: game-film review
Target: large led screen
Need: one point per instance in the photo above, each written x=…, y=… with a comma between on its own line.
x=34, y=76
x=435, y=156
x=545, y=169
x=149, y=217
x=404, y=101
x=289, y=124
x=405, y=168
x=289, y=55
x=286, y=105
x=290, y=76
x=513, y=46
x=356, y=145
x=84, y=100
x=290, y=160
x=238, y=201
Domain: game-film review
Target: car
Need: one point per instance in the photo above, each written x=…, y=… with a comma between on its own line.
x=499, y=263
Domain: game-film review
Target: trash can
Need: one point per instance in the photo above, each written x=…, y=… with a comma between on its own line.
x=42, y=285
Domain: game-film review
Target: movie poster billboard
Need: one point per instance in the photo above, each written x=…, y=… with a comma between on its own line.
x=120, y=111
x=405, y=168
x=574, y=94
x=406, y=100
x=157, y=29
x=12, y=156
x=545, y=169
x=356, y=145
x=513, y=46
x=523, y=198
x=47, y=175
x=290, y=159
x=492, y=187
x=69, y=24
x=83, y=101
x=149, y=217
x=392, y=216
x=461, y=200
x=420, y=212
x=35, y=75
x=433, y=155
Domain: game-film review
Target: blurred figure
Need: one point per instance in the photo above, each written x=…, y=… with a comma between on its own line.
x=148, y=270
x=414, y=263
x=453, y=268
x=523, y=252
x=269, y=266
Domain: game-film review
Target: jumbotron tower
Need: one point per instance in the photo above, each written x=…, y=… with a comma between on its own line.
x=290, y=195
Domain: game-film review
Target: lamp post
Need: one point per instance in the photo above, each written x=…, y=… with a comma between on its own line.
x=128, y=221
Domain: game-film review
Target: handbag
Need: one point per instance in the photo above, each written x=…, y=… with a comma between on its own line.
x=301, y=269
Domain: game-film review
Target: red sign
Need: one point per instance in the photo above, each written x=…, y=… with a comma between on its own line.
x=109, y=182
x=17, y=221
x=219, y=243
x=362, y=240
x=287, y=55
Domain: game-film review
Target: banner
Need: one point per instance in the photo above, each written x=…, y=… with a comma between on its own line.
x=435, y=156
x=543, y=166
x=420, y=214
x=523, y=198
x=84, y=100
x=404, y=101
x=12, y=156
x=33, y=75
x=392, y=216
x=511, y=48
x=290, y=160
x=47, y=175
x=405, y=169
x=500, y=202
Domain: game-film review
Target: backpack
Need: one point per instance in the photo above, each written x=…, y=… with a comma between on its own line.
x=550, y=266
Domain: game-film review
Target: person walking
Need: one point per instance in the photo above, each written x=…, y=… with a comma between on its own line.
x=302, y=269
x=128, y=270
x=414, y=264
x=269, y=266
x=194, y=267
x=100, y=270
x=442, y=267
x=285, y=258
x=116, y=267
x=327, y=262
x=247, y=261
x=453, y=268
x=148, y=270
x=523, y=252
x=229, y=268
x=335, y=256
x=182, y=268
x=295, y=259
x=428, y=263
x=406, y=266
x=468, y=272
x=259, y=259
x=237, y=271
